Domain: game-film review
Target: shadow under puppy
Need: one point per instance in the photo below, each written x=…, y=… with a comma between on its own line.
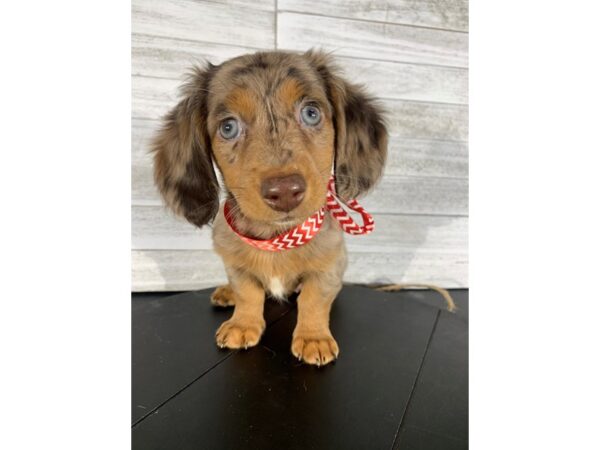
x=274, y=123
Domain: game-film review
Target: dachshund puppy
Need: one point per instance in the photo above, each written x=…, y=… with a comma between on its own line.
x=274, y=124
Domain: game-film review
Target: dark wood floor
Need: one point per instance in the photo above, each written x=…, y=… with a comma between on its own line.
x=401, y=381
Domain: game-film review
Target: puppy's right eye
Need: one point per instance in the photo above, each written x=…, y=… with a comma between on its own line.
x=310, y=115
x=229, y=129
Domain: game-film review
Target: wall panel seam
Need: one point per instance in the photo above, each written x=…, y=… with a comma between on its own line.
x=304, y=13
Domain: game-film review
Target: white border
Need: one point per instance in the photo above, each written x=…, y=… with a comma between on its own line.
x=534, y=225
x=65, y=317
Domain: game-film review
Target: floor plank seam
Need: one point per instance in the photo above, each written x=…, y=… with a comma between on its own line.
x=156, y=408
x=412, y=391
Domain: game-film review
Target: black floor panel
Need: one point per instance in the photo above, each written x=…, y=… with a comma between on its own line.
x=444, y=378
x=400, y=380
x=173, y=343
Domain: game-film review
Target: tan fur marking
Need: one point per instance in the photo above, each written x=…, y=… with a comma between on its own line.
x=289, y=92
x=243, y=102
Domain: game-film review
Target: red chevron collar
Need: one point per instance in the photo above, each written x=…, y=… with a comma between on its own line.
x=304, y=232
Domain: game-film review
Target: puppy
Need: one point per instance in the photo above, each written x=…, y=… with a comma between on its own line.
x=274, y=124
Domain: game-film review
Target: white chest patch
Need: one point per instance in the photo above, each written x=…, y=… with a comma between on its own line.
x=276, y=288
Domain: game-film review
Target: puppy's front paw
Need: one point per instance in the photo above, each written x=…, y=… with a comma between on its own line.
x=319, y=349
x=240, y=333
x=223, y=296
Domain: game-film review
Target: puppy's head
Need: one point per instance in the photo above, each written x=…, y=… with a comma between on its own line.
x=274, y=123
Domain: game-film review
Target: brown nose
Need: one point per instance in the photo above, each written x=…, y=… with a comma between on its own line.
x=283, y=193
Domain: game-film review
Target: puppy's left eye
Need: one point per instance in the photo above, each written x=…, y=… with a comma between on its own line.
x=310, y=115
x=229, y=129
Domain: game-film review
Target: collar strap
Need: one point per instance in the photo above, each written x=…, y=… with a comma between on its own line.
x=304, y=232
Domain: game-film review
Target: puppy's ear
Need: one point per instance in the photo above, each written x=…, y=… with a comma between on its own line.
x=183, y=170
x=361, y=136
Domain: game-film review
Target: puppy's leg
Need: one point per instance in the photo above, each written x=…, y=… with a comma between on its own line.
x=223, y=296
x=312, y=341
x=247, y=323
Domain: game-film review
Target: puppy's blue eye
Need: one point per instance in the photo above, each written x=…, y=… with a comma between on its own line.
x=229, y=129
x=310, y=115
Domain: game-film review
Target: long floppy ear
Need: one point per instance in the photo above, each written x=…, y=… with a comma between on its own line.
x=361, y=136
x=183, y=169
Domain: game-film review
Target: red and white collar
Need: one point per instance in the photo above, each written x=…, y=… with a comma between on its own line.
x=304, y=232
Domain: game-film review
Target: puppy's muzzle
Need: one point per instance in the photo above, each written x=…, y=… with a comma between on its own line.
x=283, y=193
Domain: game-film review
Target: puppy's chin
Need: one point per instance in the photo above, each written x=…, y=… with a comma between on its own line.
x=293, y=217
x=280, y=221
x=287, y=222
x=268, y=216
